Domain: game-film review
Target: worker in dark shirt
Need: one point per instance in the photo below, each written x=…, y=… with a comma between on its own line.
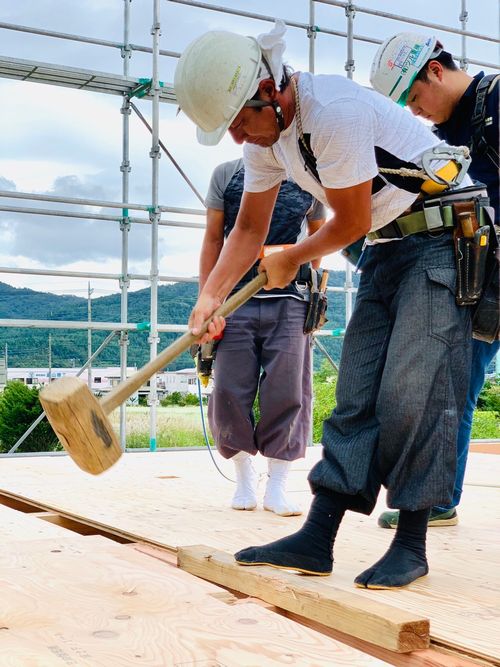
x=465, y=111
x=264, y=351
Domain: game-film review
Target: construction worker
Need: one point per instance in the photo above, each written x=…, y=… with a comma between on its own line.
x=406, y=354
x=465, y=111
x=265, y=333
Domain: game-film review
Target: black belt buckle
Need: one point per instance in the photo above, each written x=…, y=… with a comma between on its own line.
x=303, y=274
x=390, y=231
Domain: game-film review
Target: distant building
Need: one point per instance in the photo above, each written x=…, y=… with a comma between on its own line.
x=183, y=381
x=103, y=379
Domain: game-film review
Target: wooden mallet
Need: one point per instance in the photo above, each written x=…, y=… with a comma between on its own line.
x=80, y=420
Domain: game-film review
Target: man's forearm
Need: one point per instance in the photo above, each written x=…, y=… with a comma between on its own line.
x=240, y=252
x=332, y=237
x=210, y=253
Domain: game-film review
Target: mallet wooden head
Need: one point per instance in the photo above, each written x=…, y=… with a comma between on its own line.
x=81, y=424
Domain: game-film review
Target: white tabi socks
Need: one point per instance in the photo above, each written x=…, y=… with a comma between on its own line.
x=275, y=499
x=245, y=497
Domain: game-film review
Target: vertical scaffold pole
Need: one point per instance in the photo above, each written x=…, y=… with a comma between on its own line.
x=349, y=68
x=311, y=34
x=464, y=64
x=155, y=215
x=125, y=222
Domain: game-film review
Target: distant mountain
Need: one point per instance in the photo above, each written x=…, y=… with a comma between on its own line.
x=29, y=347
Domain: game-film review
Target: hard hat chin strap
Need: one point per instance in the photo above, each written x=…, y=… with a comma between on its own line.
x=278, y=111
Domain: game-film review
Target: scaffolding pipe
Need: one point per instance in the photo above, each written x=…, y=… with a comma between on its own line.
x=404, y=19
x=111, y=326
x=349, y=68
x=67, y=324
x=95, y=326
x=311, y=34
x=94, y=216
x=155, y=215
x=96, y=276
x=323, y=349
x=170, y=156
x=165, y=279
x=125, y=168
x=86, y=40
x=10, y=194
x=60, y=274
x=463, y=20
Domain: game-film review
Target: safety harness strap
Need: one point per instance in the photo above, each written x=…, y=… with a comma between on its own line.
x=478, y=142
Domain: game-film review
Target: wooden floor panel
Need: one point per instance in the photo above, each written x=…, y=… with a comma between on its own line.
x=178, y=499
x=89, y=602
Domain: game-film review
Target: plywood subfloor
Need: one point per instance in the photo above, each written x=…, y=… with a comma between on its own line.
x=89, y=602
x=178, y=498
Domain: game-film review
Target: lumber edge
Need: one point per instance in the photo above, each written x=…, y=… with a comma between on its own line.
x=350, y=613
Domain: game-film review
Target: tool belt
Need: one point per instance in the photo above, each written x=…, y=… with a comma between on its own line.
x=318, y=303
x=432, y=214
x=468, y=215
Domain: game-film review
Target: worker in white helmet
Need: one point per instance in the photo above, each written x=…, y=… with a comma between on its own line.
x=465, y=110
x=406, y=353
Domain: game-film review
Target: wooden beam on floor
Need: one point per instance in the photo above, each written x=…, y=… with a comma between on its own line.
x=365, y=619
x=431, y=657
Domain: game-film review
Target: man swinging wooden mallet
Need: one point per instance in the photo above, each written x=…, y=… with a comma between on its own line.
x=80, y=420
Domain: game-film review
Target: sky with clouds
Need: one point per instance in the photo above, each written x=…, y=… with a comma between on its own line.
x=66, y=142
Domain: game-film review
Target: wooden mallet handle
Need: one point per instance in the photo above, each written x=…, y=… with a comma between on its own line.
x=126, y=388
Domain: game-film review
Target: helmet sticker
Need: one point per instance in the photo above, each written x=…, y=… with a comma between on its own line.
x=235, y=79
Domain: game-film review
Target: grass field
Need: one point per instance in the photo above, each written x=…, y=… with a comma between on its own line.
x=181, y=426
x=176, y=426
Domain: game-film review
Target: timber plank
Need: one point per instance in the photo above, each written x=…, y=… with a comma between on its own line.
x=363, y=618
x=431, y=657
x=90, y=602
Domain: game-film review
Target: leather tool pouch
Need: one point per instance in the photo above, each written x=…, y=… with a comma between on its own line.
x=316, y=313
x=471, y=250
x=486, y=314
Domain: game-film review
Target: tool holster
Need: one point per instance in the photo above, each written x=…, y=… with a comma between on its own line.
x=478, y=265
x=471, y=249
x=486, y=314
x=318, y=303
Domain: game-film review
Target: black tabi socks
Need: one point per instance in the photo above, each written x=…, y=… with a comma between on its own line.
x=310, y=549
x=405, y=560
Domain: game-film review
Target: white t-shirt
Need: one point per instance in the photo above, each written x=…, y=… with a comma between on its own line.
x=346, y=122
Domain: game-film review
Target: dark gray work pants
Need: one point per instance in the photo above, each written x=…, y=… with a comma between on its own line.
x=403, y=380
x=263, y=349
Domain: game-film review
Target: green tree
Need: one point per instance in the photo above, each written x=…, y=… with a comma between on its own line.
x=324, y=386
x=19, y=407
x=489, y=398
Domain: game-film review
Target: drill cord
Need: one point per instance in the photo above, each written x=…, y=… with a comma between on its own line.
x=205, y=433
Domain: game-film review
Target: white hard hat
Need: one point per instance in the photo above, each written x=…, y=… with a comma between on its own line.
x=217, y=73
x=398, y=61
